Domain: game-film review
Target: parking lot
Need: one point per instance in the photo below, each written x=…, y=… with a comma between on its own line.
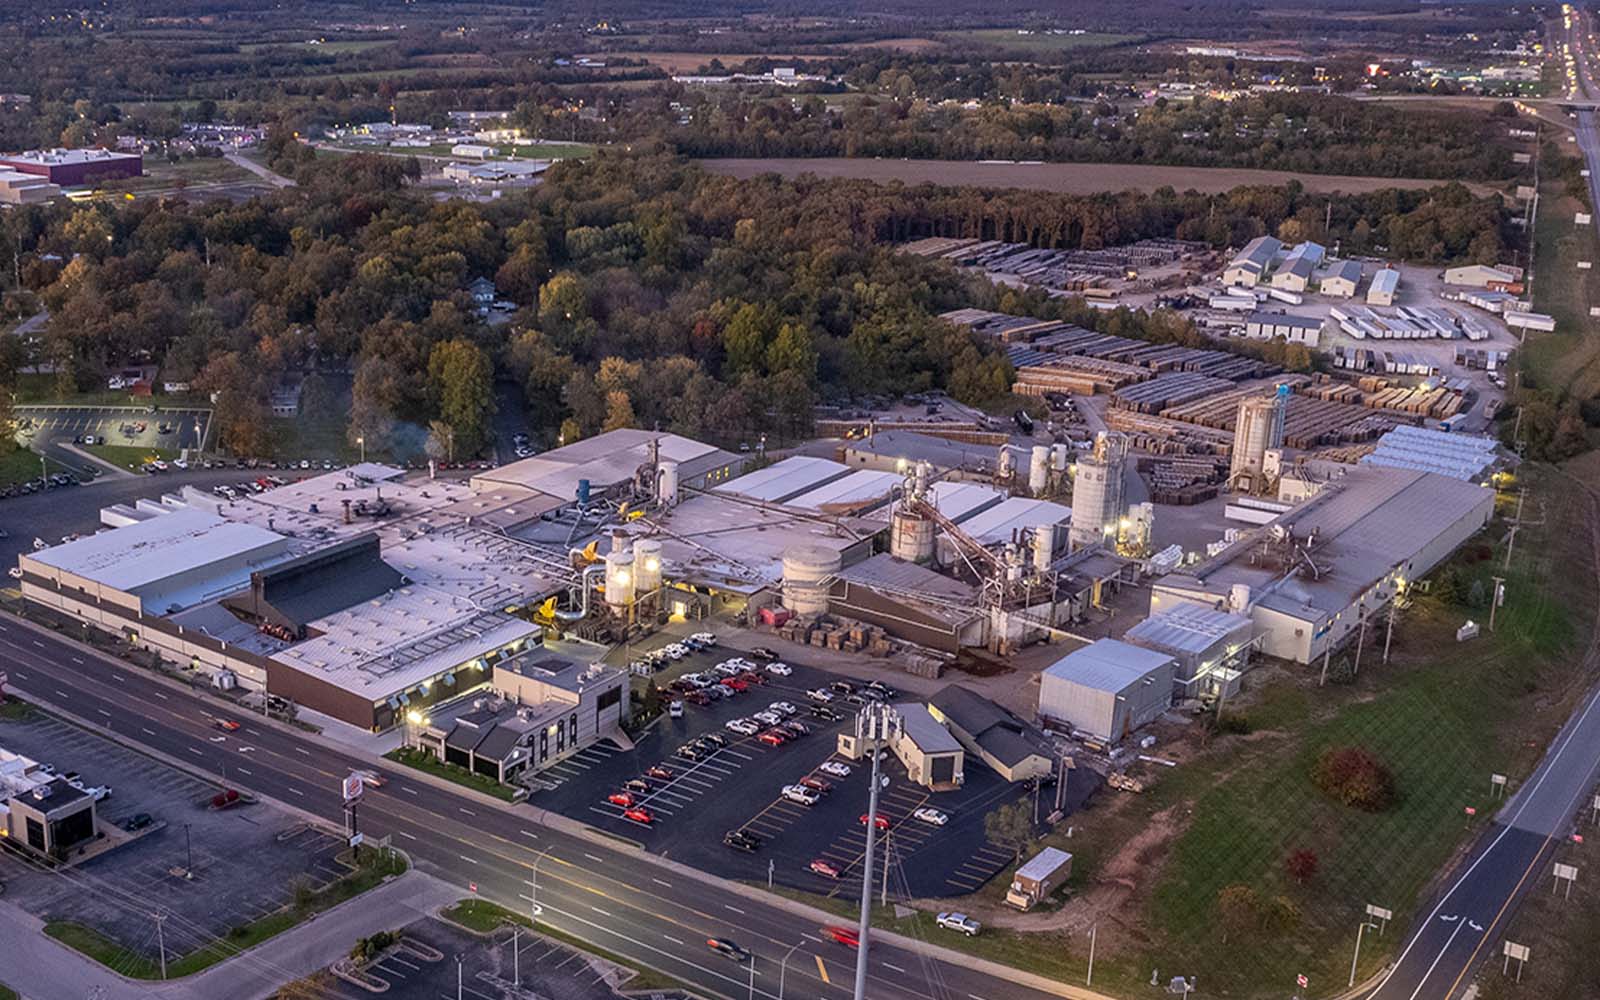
x=424, y=968
x=242, y=863
x=46, y=428
x=693, y=803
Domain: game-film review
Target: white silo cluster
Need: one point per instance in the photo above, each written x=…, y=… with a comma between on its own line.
x=807, y=570
x=1258, y=429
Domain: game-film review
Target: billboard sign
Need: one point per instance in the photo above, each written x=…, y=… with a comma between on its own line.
x=353, y=787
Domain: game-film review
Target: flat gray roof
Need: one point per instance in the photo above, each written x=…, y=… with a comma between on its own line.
x=788, y=478
x=925, y=731
x=605, y=460
x=1187, y=627
x=1109, y=665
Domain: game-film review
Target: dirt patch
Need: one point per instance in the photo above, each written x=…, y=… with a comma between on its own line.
x=1063, y=178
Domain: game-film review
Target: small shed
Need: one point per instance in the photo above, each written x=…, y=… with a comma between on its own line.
x=1041, y=876
x=1384, y=284
x=1107, y=689
x=932, y=757
x=1203, y=643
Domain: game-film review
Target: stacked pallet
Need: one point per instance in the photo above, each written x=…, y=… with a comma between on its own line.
x=1084, y=376
x=1168, y=390
x=1160, y=436
x=842, y=634
x=1220, y=409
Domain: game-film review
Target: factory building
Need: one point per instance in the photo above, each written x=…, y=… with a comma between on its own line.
x=1309, y=578
x=899, y=451
x=1294, y=274
x=782, y=480
x=1097, y=492
x=1106, y=689
x=1250, y=267
x=18, y=188
x=1483, y=276
x=932, y=757
x=1468, y=457
x=1012, y=748
x=1258, y=429
x=1384, y=285
x=76, y=167
x=1341, y=279
x=1295, y=329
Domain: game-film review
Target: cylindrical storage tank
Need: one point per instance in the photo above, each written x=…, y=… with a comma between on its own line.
x=667, y=488
x=806, y=568
x=911, y=537
x=646, y=567
x=620, y=579
x=1044, y=547
x=1039, y=469
x=1239, y=598
x=1003, y=464
x=924, y=475
x=1059, y=454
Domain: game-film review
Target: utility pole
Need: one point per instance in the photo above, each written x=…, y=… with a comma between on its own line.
x=883, y=898
x=161, y=942
x=1089, y=979
x=872, y=730
x=458, y=978
x=1361, y=640
x=516, y=958
x=1388, y=635
x=1495, y=598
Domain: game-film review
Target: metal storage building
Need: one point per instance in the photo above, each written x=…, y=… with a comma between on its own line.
x=1384, y=284
x=1107, y=689
x=933, y=758
x=1342, y=279
x=857, y=492
x=995, y=524
x=787, y=479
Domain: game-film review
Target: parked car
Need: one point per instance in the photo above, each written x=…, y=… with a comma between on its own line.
x=822, y=695
x=763, y=653
x=623, y=799
x=638, y=785
x=138, y=821
x=742, y=840
x=715, y=739
x=794, y=729
x=768, y=718
x=835, y=768
x=779, y=668
x=773, y=738
x=783, y=708
x=824, y=868
x=842, y=687
x=800, y=794
x=705, y=638
x=882, y=824
x=675, y=709
x=658, y=772
x=928, y=814
x=816, y=784
x=958, y=922
x=824, y=713
x=744, y=727
x=639, y=814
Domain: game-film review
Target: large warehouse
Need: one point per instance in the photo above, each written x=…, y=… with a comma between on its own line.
x=1309, y=577
x=1106, y=689
x=75, y=167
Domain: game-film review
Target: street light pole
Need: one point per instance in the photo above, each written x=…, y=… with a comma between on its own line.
x=872, y=730
x=534, y=909
x=752, y=977
x=361, y=442
x=1357, y=956
x=783, y=966
x=1089, y=979
x=516, y=958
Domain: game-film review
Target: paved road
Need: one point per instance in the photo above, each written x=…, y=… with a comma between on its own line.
x=275, y=179
x=617, y=899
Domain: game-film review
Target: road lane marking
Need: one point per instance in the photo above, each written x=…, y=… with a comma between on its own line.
x=822, y=970
x=405, y=835
x=530, y=833
x=660, y=882
x=470, y=861
x=464, y=809
x=158, y=694
x=408, y=791
x=61, y=694
x=1438, y=958
x=196, y=751
x=591, y=857
x=147, y=732
x=297, y=791
x=119, y=678
x=241, y=770
x=674, y=940
x=36, y=642
x=735, y=909
x=302, y=750
x=598, y=910
x=896, y=968
x=103, y=712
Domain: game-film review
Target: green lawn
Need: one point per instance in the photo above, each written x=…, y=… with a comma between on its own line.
x=334, y=48
x=482, y=916
x=1570, y=357
x=373, y=870
x=22, y=465
x=1035, y=44
x=126, y=457
x=7, y=993
x=427, y=762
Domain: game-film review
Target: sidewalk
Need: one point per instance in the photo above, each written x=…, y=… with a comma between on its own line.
x=40, y=968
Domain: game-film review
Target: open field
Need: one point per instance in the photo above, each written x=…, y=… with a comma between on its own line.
x=688, y=62
x=329, y=47
x=1064, y=178
x=1035, y=44
x=1570, y=357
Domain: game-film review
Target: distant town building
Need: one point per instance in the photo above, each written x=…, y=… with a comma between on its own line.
x=73, y=167
x=1482, y=276
x=1251, y=265
x=18, y=188
x=1294, y=274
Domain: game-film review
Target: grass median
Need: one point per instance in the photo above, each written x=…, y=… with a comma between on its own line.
x=484, y=917
x=373, y=868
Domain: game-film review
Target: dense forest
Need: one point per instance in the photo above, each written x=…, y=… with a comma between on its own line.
x=649, y=291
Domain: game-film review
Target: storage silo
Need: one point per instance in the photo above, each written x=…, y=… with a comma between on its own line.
x=620, y=579
x=1039, y=469
x=1044, y=547
x=647, y=569
x=1258, y=428
x=1097, y=491
x=806, y=570
x=1060, y=457
x=911, y=536
x=1003, y=464
x=667, y=489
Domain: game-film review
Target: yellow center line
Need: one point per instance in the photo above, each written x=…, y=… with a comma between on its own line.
x=822, y=970
x=1495, y=922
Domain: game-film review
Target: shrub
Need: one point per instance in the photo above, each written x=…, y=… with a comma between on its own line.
x=1302, y=865
x=1238, y=909
x=1354, y=777
x=1233, y=723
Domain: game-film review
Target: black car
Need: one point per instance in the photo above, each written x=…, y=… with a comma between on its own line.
x=725, y=947
x=824, y=712
x=691, y=751
x=715, y=739
x=763, y=653
x=882, y=688
x=742, y=840
x=138, y=821
x=842, y=687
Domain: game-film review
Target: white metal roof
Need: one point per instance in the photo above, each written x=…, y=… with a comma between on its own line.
x=1044, y=864
x=144, y=554
x=1460, y=456
x=1109, y=665
x=784, y=480
x=995, y=524
x=604, y=460
x=1187, y=627
x=1386, y=280
x=925, y=731
x=859, y=487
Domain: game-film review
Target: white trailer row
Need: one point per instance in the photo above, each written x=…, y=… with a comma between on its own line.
x=1406, y=323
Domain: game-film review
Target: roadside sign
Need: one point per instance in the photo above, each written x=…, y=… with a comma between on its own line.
x=353, y=787
x=357, y=839
x=1379, y=913
x=472, y=887
x=1301, y=981
x=1471, y=811
x=1517, y=951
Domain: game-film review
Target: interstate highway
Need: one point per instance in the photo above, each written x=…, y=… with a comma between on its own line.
x=620, y=900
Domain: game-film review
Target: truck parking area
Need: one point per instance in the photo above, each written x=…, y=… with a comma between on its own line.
x=677, y=801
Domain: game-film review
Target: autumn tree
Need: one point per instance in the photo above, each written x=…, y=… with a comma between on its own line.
x=239, y=412
x=1010, y=826
x=1301, y=865
x=461, y=384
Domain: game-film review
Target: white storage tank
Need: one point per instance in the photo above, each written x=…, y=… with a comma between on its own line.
x=620, y=579
x=1044, y=547
x=646, y=568
x=1039, y=469
x=668, y=484
x=1060, y=457
x=911, y=537
x=806, y=568
x=1003, y=463
x=1258, y=428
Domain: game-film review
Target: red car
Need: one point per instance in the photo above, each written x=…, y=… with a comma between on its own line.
x=823, y=868
x=773, y=738
x=816, y=785
x=697, y=698
x=751, y=677
x=228, y=725
x=735, y=684
x=623, y=799
x=847, y=936
x=639, y=814
x=657, y=771
x=883, y=821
